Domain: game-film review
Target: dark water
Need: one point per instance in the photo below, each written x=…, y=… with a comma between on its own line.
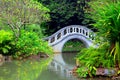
x=57, y=68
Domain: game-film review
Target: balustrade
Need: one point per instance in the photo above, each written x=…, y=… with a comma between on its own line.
x=71, y=30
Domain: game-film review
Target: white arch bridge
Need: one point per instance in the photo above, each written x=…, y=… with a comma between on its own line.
x=82, y=33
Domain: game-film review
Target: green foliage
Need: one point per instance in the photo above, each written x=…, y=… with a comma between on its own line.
x=16, y=14
x=29, y=43
x=118, y=72
x=106, y=14
x=107, y=18
x=6, y=41
x=92, y=58
x=73, y=45
x=116, y=53
x=35, y=28
x=64, y=13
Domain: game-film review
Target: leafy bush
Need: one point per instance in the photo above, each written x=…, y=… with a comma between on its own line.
x=6, y=41
x=106, y=14
x=35, y=28
x=29, y=43
x=92, y=58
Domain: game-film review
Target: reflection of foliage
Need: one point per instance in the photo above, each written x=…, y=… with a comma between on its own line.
x=92, y=58
x=23, y=70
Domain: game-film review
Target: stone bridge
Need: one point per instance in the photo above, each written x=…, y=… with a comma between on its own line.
x=82, y=33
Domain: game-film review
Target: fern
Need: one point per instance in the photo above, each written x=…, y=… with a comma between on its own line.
x=92, y=58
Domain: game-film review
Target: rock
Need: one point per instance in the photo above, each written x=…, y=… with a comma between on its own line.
x=105, y=72
x=8, y=58
x=100, y=71
x=109, y=72
x=44, y=55
x=1, y=59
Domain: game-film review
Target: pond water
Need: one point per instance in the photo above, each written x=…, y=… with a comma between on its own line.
x=60, y=68
x=57, y=68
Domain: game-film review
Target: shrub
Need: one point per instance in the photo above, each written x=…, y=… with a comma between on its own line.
x=92, y=58
x=35, y=28
x=106, y=14
x=6, y=41
x=29, y=43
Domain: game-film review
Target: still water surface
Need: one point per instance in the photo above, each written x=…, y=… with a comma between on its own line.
x=57, y=68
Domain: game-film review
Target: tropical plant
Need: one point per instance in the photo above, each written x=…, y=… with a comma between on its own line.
x=106, y=14
x=6, y=42
x=92, y=58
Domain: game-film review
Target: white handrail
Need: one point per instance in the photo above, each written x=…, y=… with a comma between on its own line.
x=70, y=30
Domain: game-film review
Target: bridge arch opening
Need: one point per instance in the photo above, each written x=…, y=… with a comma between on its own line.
x=73, y=45
x=70, y=49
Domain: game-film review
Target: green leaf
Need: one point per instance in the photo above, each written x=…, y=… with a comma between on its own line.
x=5, y=50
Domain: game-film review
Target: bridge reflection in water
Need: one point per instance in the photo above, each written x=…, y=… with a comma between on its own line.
x=61, y=68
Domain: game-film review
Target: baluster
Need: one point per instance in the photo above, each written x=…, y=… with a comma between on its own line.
x=76, y=30
x=66, y=30
x=73, y=30
x=49, y=40
x=55, y=38
x=62, y=33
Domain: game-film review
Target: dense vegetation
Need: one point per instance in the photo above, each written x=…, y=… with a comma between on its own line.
x=64, y=13
x=22, y=23
x=106, y=15
x=21, y=34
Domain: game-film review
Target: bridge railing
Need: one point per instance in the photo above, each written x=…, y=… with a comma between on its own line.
x=69, y=30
